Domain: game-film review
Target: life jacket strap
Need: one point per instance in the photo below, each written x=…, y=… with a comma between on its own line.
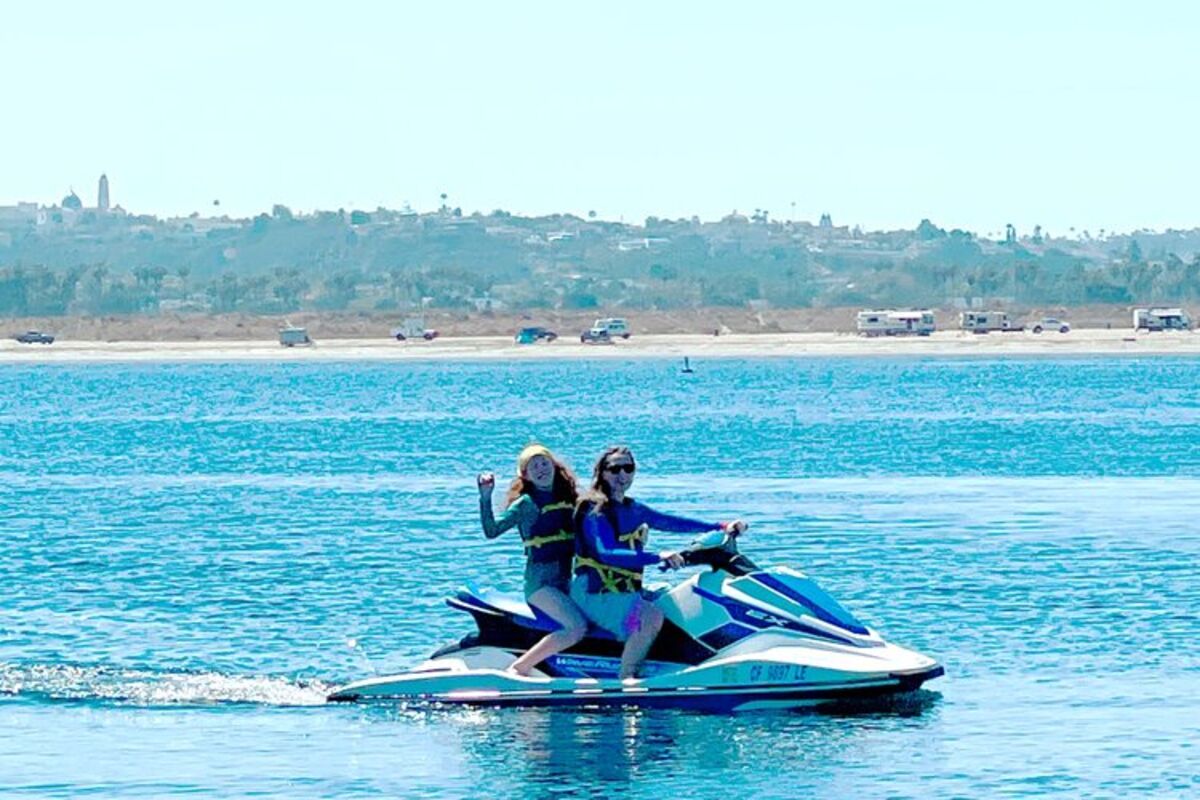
x=614, y=579
x=538, y=541
x=639, y=534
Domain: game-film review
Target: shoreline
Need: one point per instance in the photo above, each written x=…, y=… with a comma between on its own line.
x=1086, y=342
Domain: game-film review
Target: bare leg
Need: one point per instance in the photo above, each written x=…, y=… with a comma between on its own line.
x=562, y=609
x=649, y=623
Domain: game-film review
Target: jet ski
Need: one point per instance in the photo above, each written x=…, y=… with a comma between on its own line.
x=736, y=637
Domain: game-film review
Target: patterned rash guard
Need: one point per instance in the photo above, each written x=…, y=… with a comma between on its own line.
x=547, y=530
x=613, y=560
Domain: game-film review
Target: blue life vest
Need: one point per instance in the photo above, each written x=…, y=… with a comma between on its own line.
x=603, y=577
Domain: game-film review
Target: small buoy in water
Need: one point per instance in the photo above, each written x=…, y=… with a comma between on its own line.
x=687, y=367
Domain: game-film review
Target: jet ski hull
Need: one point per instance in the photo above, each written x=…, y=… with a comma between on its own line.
x=734, y=638
x=476, y=677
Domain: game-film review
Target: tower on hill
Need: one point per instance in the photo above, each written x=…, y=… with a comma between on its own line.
x=102, y=196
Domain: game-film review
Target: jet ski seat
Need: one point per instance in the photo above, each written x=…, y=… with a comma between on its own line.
x=513, y=606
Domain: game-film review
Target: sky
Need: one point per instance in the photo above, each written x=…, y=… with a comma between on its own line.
x=1066, y=114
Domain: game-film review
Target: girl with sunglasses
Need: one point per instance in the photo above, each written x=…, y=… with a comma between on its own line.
x=540, y=504
x=610, y=556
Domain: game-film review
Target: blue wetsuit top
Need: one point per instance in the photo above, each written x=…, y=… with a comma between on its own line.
x=613, y=559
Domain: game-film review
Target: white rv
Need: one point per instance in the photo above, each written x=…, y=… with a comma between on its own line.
x=292, y=336
x=986, y=321
x=1161, y=319
x=890, y=322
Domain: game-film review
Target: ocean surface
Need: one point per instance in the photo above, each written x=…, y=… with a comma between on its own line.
x=192, y=555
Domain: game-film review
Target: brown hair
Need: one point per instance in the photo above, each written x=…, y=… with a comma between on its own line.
x=598, y=498
x=564, y=490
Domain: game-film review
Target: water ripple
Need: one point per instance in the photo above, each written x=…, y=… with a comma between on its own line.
x=186, y=550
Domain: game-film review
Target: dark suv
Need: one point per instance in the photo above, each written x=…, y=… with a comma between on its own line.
x=35, y=337
x=538, y=334
x=596, y=336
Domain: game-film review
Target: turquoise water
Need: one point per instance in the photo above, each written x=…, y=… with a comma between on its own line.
x=186, y=550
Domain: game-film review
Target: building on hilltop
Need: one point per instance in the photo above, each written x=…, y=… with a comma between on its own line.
x=71, y=212
x=20, y=214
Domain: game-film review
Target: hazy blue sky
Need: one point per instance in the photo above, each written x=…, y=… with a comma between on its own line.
x=972, y=114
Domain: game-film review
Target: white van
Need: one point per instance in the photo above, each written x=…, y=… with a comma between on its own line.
x=613, y=326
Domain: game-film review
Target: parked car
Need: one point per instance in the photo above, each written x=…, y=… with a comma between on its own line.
x=35, y=337
x=414, y=328
x=429, y=335
x=532, y=335
x=596, y=336
x=1051, y=324
x=615, y=326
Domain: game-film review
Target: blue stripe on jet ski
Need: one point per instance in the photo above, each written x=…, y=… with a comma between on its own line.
x=842, y=621
x=746, y=615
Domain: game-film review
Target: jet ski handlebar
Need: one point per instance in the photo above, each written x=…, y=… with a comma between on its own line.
x=718, y=550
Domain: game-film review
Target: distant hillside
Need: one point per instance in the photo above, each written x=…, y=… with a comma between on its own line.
x=79, y=261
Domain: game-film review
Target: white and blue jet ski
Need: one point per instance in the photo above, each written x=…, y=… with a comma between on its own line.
x=735, y=638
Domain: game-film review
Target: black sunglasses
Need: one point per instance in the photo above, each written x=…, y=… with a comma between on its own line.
x=615, y=468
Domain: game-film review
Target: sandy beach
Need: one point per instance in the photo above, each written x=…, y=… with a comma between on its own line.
x=695, y=346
